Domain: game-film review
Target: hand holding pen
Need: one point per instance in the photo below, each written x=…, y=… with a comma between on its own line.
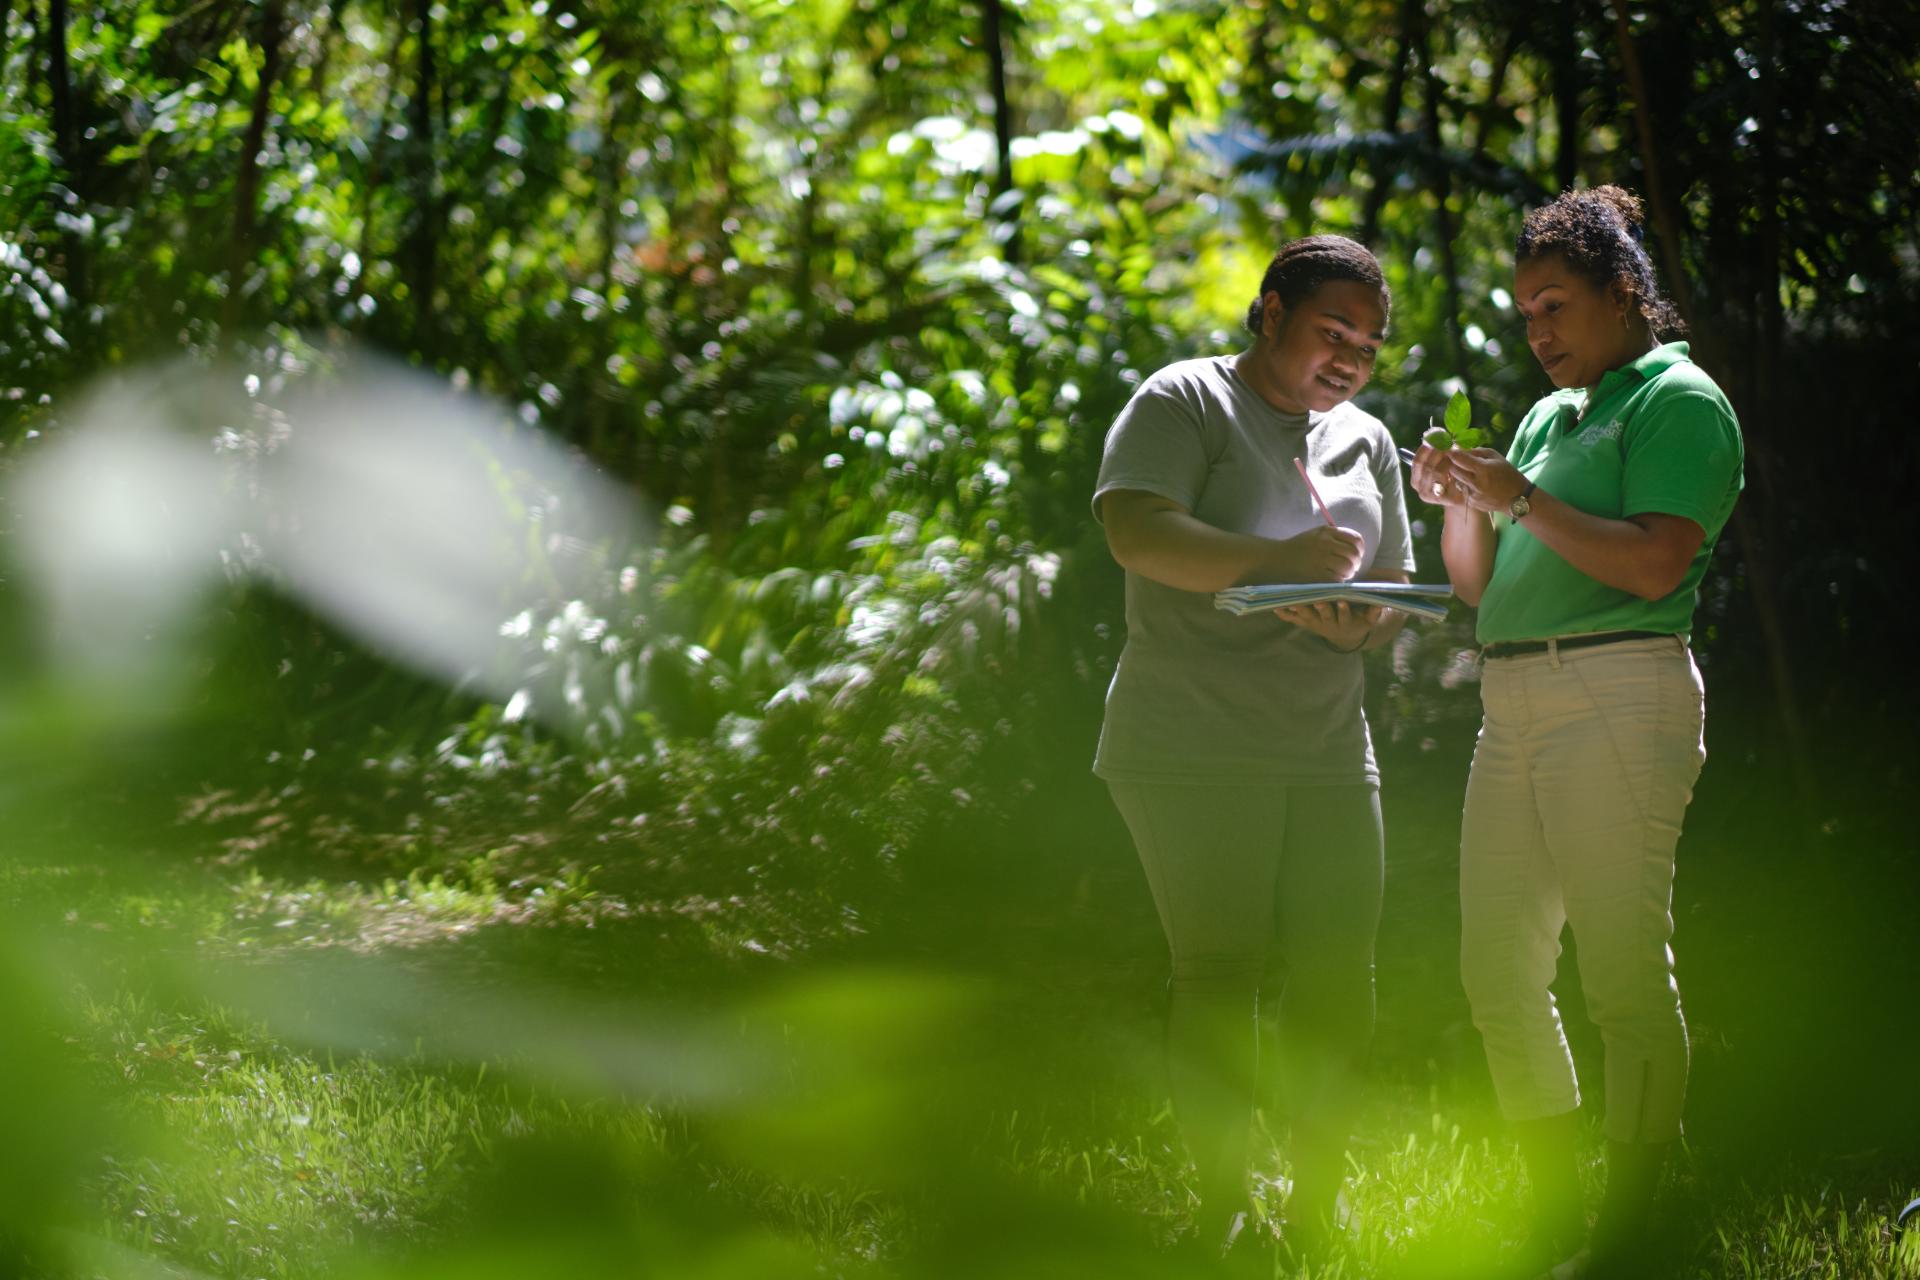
x=1314, y=493
x=1327, y=554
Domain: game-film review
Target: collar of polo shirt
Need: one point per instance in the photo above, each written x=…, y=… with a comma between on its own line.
x=1643, y=369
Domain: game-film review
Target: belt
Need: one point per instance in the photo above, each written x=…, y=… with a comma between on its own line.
x=1516, y=648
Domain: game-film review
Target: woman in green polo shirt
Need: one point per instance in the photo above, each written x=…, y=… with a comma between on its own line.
x=1584, y=548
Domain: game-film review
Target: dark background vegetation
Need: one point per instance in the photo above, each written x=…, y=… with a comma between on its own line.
x=845, y=293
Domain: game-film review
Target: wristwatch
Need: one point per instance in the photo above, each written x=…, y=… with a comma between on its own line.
x=1520, y=506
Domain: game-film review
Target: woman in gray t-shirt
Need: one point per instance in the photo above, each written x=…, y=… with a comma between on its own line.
x=1235, y=747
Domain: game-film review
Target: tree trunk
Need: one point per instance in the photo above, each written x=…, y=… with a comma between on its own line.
x=1442, y=186
x=611, y=165
x=323, y=40
x=1566, y=106
x=722, y=500
x=1753, y=545
x=373, y=177
x=1767, y=357
x=246, y=183
x=30, y=20
x=995, y=37
x=423, y=243
x=1765, y=259
x=1666, y=220
x=66, y=133
x=806, y=232
x=1260, y=71
x=1390, y=118
x=1030, y=463
x=1496, y=85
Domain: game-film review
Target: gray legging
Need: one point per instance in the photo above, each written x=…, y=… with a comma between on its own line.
x=1233, y=871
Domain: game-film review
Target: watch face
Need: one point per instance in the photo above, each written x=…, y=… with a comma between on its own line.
x=1519, y=507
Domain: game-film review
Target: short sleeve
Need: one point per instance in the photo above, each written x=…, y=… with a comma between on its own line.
x=1155, y=446
x=1396, y=534
x=1683, y=458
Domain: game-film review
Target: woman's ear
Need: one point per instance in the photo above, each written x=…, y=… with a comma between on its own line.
x=1625, y=299
x=1273, y=315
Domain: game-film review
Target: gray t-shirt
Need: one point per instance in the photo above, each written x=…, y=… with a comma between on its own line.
x=1202, y=696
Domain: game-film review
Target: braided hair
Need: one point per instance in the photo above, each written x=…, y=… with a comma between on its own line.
x=1304, y=265
x=1599, y=232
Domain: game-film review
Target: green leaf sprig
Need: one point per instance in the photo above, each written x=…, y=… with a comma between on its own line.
x=1458, y=430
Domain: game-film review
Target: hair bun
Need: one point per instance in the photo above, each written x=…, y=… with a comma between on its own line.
x=1624, y=203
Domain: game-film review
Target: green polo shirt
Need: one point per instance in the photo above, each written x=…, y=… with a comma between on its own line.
x=1659, y=438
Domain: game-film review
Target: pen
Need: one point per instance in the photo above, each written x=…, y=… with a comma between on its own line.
x=1406, y=456
x=1318, y=501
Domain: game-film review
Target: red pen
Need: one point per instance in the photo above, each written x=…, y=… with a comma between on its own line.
x=1317, y=500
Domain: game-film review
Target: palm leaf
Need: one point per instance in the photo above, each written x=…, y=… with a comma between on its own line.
x=1316, y=158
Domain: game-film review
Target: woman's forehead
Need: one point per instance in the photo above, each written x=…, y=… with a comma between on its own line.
x=1534, y=276
x=1352, y=301
x=1547, y=268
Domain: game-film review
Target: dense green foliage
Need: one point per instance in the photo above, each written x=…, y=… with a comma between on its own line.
x=843, y=295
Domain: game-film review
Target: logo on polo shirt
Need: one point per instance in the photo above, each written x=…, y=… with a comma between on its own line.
x=1599, y=431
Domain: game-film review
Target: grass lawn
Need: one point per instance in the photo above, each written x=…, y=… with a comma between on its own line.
x=491, y=1059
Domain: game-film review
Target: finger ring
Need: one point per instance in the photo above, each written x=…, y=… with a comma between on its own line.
x=1438, y=488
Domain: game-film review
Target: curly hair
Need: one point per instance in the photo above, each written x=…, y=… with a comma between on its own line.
x=1304, y=265
x=1599, y=233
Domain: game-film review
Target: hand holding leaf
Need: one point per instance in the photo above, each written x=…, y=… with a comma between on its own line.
x=1459, y=429
x=1433, y=474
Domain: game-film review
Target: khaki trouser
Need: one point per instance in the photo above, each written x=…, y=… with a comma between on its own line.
x=1584, y=768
